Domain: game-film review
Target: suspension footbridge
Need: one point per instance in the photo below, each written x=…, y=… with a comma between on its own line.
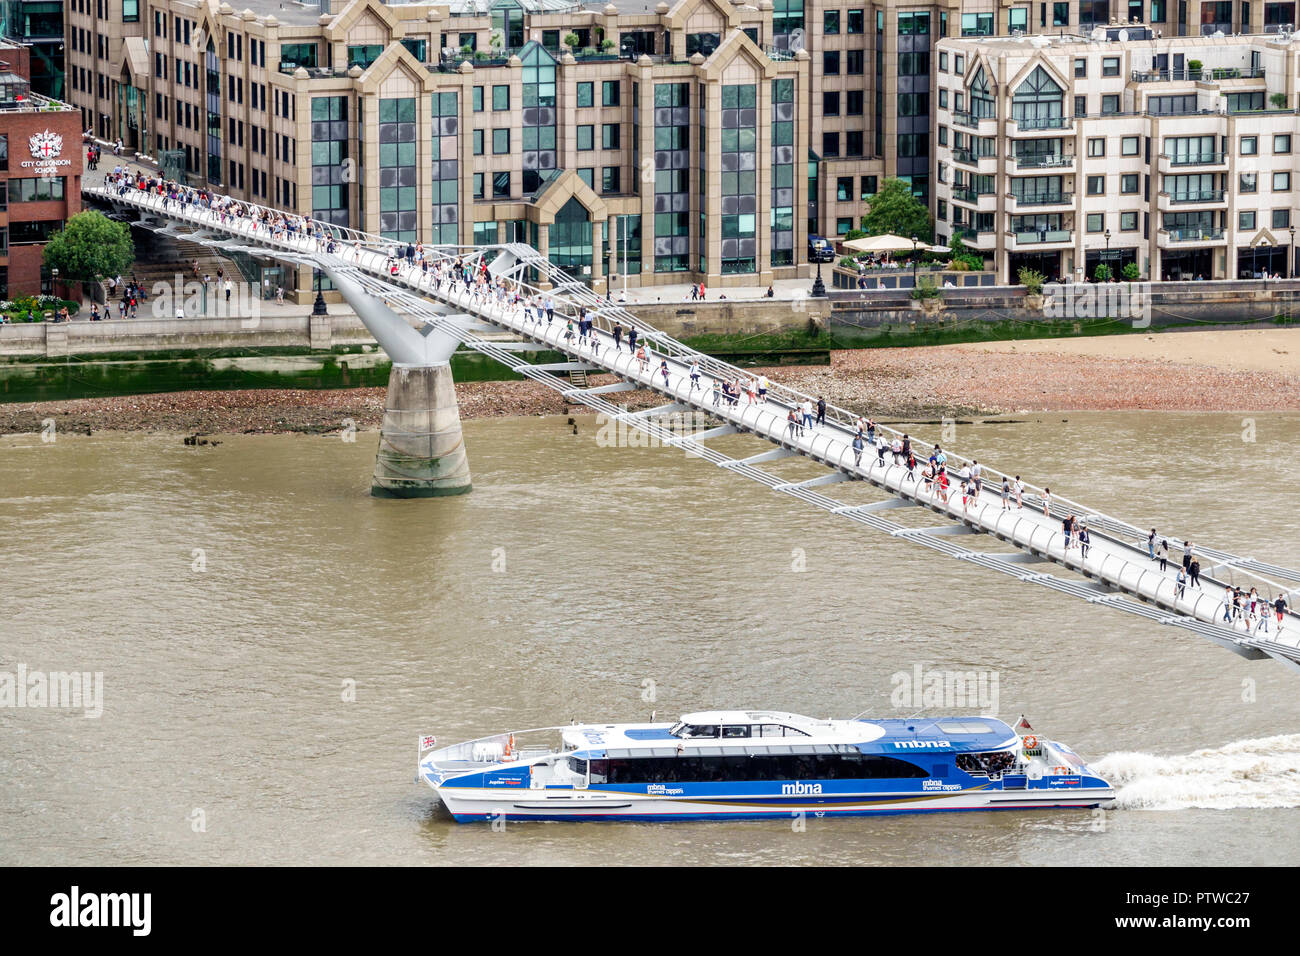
x=1027, y=543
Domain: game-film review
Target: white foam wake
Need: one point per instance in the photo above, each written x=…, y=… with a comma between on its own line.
x=1246, y=774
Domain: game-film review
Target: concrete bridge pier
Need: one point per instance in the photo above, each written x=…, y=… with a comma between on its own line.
x=421, y=449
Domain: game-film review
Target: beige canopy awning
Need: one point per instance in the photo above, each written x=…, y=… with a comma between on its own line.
x=885, y=243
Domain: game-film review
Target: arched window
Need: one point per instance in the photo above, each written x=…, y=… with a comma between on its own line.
x=982, y=104
x=569, y=244
x=1038, y=102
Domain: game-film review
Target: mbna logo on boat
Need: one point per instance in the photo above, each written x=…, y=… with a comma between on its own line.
x=801, y=789
x=922, y=689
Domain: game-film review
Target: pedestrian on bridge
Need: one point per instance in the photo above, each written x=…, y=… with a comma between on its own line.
x=1084, y=539
x=1194, y=572
x=663, y=370
x=1279, y=606
x=695, y=374
x=550, y=310
x=807, y=413
x=1164, y=554
x=1181, y=580
x=1006, y=493
x=618, y=341
x=1047, y=502
x=792, y=427
x=857, y=449
x=1151, y=544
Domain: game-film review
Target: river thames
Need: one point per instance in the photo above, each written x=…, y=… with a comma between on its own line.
x=272, y=640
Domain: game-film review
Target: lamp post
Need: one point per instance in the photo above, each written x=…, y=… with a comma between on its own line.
x=318, y=307
x=819, y=287
x=914, y=262
x=1290, y=259
x=1109, y=273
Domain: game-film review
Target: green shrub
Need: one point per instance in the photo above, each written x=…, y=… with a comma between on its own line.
x=1131, y=272
x=926, y=289
x=1032, y=281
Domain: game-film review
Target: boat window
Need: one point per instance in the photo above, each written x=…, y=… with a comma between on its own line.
x=578, y=766
x=677, y=728
x=756, y=767
x=958, y=727
x=599, y=771
x=996, y=762
x=777, y=730
x=736, y=731
x=700, y=730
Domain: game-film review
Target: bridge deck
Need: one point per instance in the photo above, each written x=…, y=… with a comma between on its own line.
x=1116, y=571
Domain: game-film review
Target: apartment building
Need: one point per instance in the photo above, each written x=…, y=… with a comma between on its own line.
x=1060, y=153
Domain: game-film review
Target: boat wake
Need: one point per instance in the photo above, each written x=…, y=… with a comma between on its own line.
x=1246, y=774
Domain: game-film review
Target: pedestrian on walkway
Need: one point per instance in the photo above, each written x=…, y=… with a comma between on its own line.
x=857, y=449
x=1006, y=493
x=663, y=370
x=618, y=336
x=1194, y=572
x=1181, y=589
x=1020, y=492
x=807, y=412
x=1151, y=544
x=1047, y=502
x=821, y=410
x=1164, y=554
x=1279, y=607
x=1084, y=540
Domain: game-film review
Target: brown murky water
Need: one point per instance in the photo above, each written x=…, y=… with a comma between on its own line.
x=572, y=577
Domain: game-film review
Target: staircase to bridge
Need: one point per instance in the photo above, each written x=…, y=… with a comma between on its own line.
x=749, y=440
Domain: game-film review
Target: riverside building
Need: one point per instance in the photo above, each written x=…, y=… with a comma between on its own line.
x=660, y=143
x=1175, y=153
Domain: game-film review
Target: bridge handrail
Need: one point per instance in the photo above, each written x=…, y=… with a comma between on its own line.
x=305, y=230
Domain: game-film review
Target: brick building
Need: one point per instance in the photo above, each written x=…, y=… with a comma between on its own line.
x=40, y=176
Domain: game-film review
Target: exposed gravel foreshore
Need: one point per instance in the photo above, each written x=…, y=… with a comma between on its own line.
x=889, y=384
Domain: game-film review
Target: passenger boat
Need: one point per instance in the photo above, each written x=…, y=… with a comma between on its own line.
x=755, y=764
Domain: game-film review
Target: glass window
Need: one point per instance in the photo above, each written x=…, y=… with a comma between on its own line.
x=1081, y=67
x=1281, y=182
x=586, y=138
x=1128, y=183
x=831, y=22
x=609, y=136
x=585, y=94
x=1282, y=143
x=478, y=142
x=500, y=97
x=1110, y=66
x=1128, y=222
x=1247, y=182
x=1128, y=146
x=1246, y=219
x=610, y=92
x=1097, y=147
x=1096, y=222
x=477, y=99
x=1281, y=218
x=856, y=22
x=501, y=141
x=1096, y=185
x=830, y=62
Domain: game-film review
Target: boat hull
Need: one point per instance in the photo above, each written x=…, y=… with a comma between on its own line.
x=469, y=805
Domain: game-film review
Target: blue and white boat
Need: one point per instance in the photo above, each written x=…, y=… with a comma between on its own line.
x=755, y=764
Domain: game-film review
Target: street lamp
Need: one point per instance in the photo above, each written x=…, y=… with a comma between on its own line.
x=1109, y=274
x=1290, y=259
x=318, y=307
x=819, y=287
x=914, y=262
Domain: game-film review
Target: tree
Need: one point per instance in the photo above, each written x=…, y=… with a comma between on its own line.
x=90, y=247
x=894, y=209
x=963, y=256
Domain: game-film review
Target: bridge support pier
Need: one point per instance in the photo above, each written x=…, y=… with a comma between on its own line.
x=421, y=449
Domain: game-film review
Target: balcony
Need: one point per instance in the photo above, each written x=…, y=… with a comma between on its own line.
x=1040, y=126
x=1195, y=199
x=1167, y=238
x=982, y=125
x=985, y=165
x=1018, y=203
x=1212, y=75
x=977, y=239
x=1200, y=161
x=1044, y=240
x=1029, y=165
x=983, y=202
